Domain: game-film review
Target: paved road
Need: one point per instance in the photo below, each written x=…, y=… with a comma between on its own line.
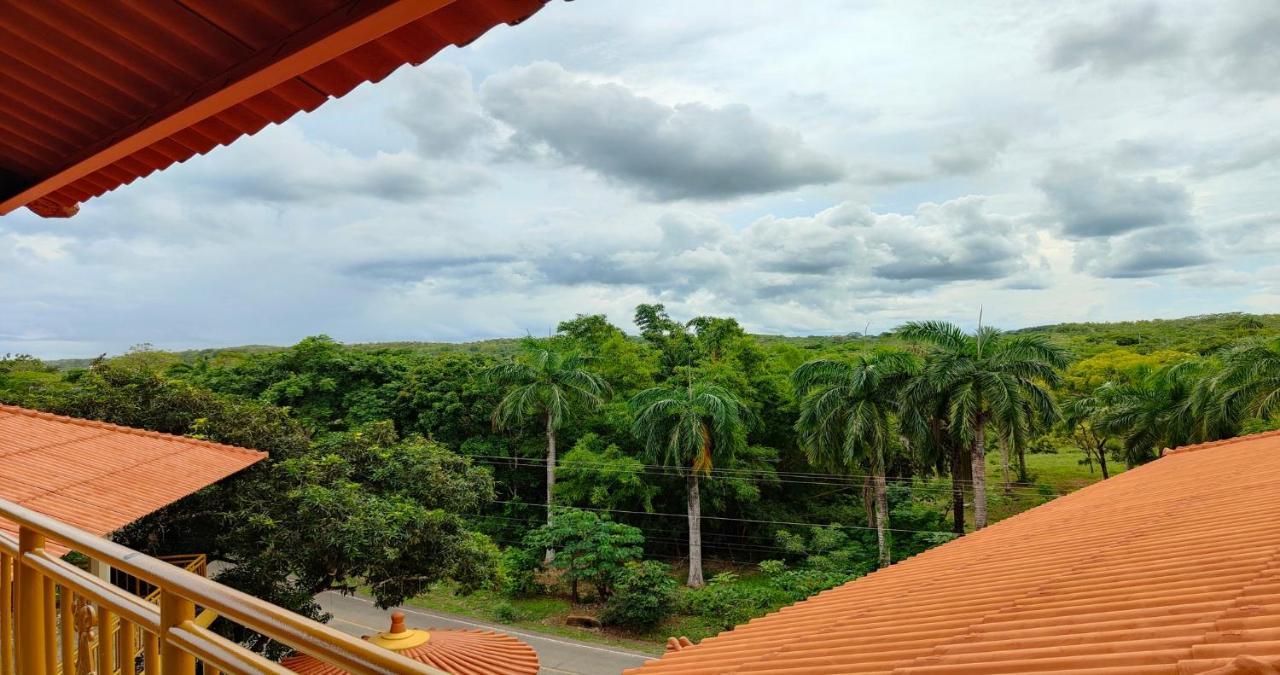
x=357, y=616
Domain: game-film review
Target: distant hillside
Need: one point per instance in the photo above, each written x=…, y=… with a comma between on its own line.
x=1196, y=334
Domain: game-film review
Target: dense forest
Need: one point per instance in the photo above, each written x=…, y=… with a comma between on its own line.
x=611, y=468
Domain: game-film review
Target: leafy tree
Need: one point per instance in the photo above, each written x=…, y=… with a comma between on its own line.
x=1087, y=417
x=692, y=428
x=548, y=385
x=605, y=478
x=628, y=365
x=591, y=547
x=447, y=398
x=846, y=419
x=364, y=508
x=989, y=375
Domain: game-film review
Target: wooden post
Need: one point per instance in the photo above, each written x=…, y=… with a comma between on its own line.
x=175, y=610
x=31, y=637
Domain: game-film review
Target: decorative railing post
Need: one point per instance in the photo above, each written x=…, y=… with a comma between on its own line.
x=175, y=611
x=31, y=626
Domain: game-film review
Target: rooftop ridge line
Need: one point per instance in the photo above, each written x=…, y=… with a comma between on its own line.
x=117, y=428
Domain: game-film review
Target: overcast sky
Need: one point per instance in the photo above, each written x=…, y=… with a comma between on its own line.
x=808, y=167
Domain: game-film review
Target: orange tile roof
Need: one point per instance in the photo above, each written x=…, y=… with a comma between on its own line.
x=96, y=95
x=1171, y=568
x=98, y=476
x=457, y=651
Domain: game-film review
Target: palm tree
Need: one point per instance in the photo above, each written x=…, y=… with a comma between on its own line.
x=548, y=385
x=1249, y=383
x=693, y=427
x=1175, y=405
x=984, y=377
x=846, y=413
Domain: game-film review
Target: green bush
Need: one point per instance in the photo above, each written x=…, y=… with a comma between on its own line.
x=726, y=602
x=799, y=584
x=772, y=568
x=644, y=595
x=519, y=572
x=506, y=612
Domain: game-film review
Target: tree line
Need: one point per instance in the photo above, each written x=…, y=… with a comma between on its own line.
x=378, y=452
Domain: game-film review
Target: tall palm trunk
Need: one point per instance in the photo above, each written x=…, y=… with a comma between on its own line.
x=882, y=518
x=957, y=488
x=979, y=464
x=1102, y=459
x=1004, y=464
x=695, y=533
x=551, y=476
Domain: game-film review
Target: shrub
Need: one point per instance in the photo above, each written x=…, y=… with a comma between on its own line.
x=726, y=602
x=799, y=584
x=506, y=612
x=588, y=546
x=643, y=596
x=519, y=572
x=772, y=568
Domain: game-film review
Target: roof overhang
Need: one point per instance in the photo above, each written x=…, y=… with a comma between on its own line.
x=95, y=98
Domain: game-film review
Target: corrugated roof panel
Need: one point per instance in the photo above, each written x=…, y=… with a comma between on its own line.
x=1172, y=568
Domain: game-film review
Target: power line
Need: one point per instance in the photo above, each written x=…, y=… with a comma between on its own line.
x=832, y=479
x=725, y=518
x=727, y=471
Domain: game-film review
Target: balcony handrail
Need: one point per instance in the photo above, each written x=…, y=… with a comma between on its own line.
x=180, y=592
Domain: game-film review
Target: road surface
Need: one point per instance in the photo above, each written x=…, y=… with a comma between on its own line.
x=357, y=616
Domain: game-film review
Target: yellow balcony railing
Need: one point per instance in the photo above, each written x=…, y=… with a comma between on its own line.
x=51, y=613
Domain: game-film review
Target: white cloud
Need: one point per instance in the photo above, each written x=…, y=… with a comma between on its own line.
x=807, y=170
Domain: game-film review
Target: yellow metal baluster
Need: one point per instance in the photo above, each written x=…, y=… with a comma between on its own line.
x=67, y=630
x=128, y=648
x=150, y=654
x=50, y=625
x=175, y=610
x=31, y=636
x=106, y=643
x=6, y=615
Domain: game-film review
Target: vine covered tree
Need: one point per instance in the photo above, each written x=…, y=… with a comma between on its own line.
x=550, y=386
x=985, y=377
x=693, y=428
x=846, y=419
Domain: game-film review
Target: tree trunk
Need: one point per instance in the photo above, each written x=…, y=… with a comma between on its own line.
x=695, y=533
x=1023, y=477
x=551, y=479
x=979, y=463
x=1102, y=459
x=882, y=519
x=957, y=489
x=1004, y=464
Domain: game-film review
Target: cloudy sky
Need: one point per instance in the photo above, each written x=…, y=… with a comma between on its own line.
x=811, y=167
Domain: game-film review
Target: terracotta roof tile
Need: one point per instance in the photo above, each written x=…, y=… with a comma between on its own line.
x=82, y=76
x=98, y=476
x=1168, y=569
